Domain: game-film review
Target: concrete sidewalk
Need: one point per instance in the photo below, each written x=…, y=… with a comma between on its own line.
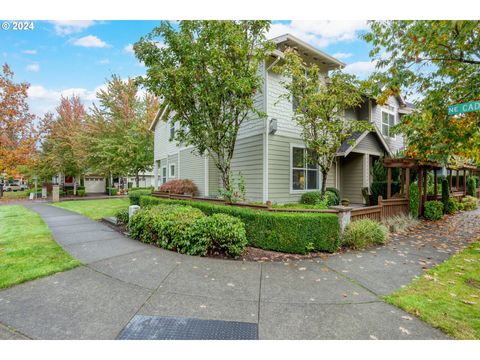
x=313, y=299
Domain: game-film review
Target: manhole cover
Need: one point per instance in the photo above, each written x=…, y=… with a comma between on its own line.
x=143, y=327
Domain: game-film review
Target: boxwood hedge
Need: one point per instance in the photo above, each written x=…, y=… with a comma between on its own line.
x=296, y=232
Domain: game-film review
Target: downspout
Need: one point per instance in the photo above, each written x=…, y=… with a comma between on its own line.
x=267, y=127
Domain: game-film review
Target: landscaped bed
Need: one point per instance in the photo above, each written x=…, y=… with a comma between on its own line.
x=298, y=233
x=95, y=209
x=448, y=295
x=27, y=249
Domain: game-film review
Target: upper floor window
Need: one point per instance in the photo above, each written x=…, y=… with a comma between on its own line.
x=172, y=131
x=304, y=173
x=388, y=121
x=294, y=104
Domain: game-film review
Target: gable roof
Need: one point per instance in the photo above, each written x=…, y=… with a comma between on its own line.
x=350, y=144
x=162, y=111
x=308, y=50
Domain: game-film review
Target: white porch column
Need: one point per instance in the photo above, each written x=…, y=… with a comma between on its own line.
x=155, y=175
x=366, y=170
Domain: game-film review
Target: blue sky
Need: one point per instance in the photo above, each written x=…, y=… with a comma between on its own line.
x=67, y=57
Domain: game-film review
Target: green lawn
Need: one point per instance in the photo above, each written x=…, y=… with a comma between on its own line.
x=27, y=249
x=448, y=295
x=95, y=209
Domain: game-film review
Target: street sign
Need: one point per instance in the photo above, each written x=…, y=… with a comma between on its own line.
x=464, y=108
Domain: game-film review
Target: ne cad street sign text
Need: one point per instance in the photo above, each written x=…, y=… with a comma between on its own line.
x=463, y=108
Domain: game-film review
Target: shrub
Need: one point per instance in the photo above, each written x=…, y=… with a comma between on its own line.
x=279, y=231
x=180, y=186
x=112, y=191
x=433, y=210
x=471, y=186
x=445, y=195
x=81, y=193
x=469, y=203
x=452, y=206
x=362, y=233
x=122, y=217
x=311, y=197
x=69, y=192
x=224, y=233
x=166, y=226
x=335, y=191
x=134, y=196
x=331, y=198
x=414, y=201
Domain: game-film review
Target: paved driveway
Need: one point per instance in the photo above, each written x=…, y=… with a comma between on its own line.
x=337, y=298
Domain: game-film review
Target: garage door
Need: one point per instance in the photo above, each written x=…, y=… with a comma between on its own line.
x=94, y=185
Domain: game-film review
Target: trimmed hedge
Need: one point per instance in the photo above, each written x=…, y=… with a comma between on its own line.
x=296, y=233
x=433, y=210
x=446, y=196
x=452, y=206
x=134, y=195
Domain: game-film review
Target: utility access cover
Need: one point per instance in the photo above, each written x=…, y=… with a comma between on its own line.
x=143, y=327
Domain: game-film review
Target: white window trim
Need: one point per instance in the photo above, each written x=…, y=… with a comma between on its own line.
x=391, y=112
x=170, y=175
x=290, y=175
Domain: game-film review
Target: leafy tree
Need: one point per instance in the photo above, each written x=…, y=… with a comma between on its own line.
x=118, y=133
x=17, y=133
x=62, y=150
x=439, y=61
x=207, y=74
x=321, y=103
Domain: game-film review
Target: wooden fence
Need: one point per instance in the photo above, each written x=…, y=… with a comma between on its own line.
x=384, y=209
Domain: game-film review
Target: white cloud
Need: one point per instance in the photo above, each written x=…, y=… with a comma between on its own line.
x=42, y=100
x=320, y=33
x=90, y=41
x=30, y=52
x=361, y=68
x=341, y=55
x=129, y=49
x=104, y=61
x=67, y=27
x=33, y=67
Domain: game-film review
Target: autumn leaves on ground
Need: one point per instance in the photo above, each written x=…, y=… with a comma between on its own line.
x=447, y=296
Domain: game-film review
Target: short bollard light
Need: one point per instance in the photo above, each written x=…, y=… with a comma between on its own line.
x=131, y=210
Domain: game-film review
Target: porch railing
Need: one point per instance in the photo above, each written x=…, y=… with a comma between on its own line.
x=384, y=209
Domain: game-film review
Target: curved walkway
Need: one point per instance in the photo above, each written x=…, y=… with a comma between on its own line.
x=336, y=298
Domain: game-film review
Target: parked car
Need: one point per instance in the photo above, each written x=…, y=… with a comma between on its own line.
x=12, y=187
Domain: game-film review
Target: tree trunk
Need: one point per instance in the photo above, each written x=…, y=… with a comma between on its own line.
x=137, y=179
x=324, y=182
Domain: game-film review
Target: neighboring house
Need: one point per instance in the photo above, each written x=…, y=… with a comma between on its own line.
x=269, y=152
x=97, y=184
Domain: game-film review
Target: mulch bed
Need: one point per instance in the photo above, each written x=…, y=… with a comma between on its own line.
x=451, y=234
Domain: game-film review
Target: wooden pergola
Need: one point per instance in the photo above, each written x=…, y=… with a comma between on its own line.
x=464, y=167
x=405, y=164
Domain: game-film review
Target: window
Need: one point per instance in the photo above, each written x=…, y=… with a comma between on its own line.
x=172, y=131
x=172, y=170
x=294, y=104
x=388, y=120
x=304, y=172
x=164, y=174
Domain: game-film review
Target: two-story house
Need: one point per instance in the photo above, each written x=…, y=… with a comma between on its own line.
x=269, y=152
